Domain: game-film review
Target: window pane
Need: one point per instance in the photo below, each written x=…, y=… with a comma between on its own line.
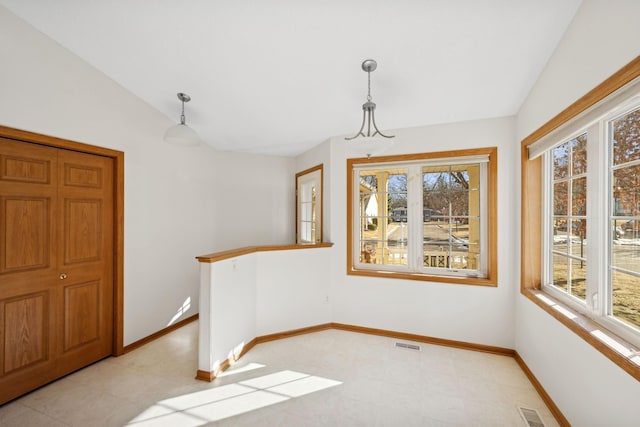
x=306, y=232
x=383, y=217
x=369, y=252
x=560, y=198
x=473, y=243
x=626, y=298
x=459, y=178
x=560, y=235
x=627, y=231
x=578, y=238
x=397, y=234
x=473, y=227
x=436, y=259
x=578, y=283
x=437, y=232
x=626, y=191
x=579, y=155
x=625, y=132
x=560, y=272
x=395, y=253
x=459, y=203
x=451, y=197
x=369, y=212
x=625, y=252
x=561, y=161
x=398, y=204
x=397, y=196
x=569, y=276
x=579, y=196
x=435, y=183
x=435, y=178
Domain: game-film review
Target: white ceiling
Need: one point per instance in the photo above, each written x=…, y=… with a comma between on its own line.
x=281, y=76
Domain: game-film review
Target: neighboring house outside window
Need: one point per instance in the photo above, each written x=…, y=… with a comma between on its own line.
x=424, y=216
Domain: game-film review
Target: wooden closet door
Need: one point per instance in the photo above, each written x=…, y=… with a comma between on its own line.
x=56, y=263
x=84, y=289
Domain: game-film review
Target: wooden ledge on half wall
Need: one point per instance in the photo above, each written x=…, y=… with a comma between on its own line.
x=232, y=253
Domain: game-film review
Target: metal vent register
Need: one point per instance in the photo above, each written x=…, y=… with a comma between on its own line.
x=408, y=346
x=531, y=417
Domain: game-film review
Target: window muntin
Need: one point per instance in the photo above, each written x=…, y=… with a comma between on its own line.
x=399, y=229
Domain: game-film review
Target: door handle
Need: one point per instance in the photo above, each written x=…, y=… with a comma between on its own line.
x=63, y=276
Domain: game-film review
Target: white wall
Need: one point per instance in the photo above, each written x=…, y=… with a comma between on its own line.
x=292, y=289
x=258, y=294
x=228, y=317
x=589, y=389
x=602, y=38
x=179, y=202
x=475, y=314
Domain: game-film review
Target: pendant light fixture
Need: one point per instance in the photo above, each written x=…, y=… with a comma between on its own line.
x=370, y=142
x=181, y=134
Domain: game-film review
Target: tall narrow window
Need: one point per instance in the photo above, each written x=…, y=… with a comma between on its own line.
x=309, y=205
x=624, y=137
x=383, y=216
x=569, y=217
x=452, y=220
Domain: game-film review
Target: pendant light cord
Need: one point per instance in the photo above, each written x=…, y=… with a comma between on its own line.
x=183, y=120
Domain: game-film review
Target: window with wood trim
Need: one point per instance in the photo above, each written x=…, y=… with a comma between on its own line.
x=591, y=208
x=424, y=216
x=309, y=205
x=580, y=253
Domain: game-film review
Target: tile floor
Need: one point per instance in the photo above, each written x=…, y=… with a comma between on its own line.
x=328, y=378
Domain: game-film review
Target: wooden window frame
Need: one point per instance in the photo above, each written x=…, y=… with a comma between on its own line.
x=320, y=224
x=492, y=217
x=609, y=344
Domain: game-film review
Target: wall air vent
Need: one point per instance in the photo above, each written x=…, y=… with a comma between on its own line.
x=408, y=346
x=531, y=417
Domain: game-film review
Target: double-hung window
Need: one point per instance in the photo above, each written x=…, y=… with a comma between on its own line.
x=424, y=216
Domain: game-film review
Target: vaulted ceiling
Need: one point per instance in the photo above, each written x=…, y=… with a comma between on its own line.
x=281, y=76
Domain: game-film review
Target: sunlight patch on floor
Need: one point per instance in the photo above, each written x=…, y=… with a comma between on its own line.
x=232, y=371
x=202, y=407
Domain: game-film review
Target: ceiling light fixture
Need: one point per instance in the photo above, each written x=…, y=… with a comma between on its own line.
x=369, y=144
x=181, y=134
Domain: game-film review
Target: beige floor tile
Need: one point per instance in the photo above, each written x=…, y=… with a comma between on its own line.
x=15, y=414
x=329, y=378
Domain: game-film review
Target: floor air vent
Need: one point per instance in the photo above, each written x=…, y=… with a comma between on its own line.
x=408, y=346
x=531, y=417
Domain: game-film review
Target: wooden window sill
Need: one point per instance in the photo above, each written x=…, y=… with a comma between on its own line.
x=454, y=280
x=618, y=350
